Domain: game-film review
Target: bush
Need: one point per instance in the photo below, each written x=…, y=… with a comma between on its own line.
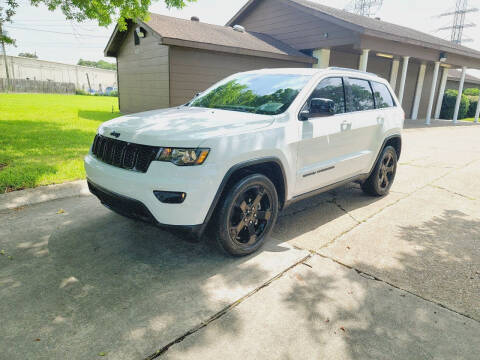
x=80, y=92
x=472, y=109
x=448, y=105
x=471, y=92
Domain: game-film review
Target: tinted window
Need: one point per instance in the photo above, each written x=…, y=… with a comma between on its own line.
x=253, y=92
x=383, y=98
x=361, y=97
x=331, y=89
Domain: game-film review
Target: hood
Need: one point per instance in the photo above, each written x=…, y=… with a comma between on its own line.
x=182, y=126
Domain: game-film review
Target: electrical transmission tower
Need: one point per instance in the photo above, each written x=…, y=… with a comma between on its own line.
x=459, y=15
x=365, y=7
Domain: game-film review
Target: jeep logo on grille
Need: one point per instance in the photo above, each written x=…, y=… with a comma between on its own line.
x=113, y=133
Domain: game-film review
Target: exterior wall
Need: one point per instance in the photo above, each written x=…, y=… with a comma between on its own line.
x=294, y=27
x=41, y=70
x=192, y=70
x=344, y=59
x=454, y=84
x=379, y=66
x=143, y=76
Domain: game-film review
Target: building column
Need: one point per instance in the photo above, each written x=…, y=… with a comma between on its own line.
x=459, y=96
x=478, y=111
x=441, y=92
x=432, y=92
x=363, y=63
x=394, y=73
x=323, y=57
x=403, y=79
x=418, y=91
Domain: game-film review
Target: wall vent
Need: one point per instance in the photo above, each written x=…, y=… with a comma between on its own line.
x=239, y=28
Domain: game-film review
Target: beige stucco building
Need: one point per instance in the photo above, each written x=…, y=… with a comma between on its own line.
x=42, y=70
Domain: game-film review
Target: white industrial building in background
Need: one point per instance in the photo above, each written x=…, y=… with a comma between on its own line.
x=83, y=77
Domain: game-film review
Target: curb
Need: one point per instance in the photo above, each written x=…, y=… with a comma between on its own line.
x=16, y=199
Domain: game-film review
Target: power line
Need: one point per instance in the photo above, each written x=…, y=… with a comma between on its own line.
x=459, y=17
x=365, y=7
x=58, y=32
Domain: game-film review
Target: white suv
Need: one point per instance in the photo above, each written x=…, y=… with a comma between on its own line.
x=246, y=148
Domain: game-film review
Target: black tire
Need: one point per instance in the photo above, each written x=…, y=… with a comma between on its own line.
x=381, y=179
x=246, y=215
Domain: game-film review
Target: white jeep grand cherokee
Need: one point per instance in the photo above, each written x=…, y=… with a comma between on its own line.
x=246, y=148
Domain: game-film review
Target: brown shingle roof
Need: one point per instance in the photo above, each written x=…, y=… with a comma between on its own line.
x=175, y=31
x=455, y=75
x=373, y=27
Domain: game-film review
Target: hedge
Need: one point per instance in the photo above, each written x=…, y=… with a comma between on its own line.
x=472, y=92
x=473, y=106
x=448, y=105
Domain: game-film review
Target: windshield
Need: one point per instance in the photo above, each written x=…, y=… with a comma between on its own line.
x=269, y=94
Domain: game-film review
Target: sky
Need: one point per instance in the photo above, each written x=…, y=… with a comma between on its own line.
x=54, y=38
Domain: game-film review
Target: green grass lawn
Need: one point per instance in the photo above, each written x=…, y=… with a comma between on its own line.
x=44, y=137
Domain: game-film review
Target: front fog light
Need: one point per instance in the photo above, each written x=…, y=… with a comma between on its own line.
x=170, y=197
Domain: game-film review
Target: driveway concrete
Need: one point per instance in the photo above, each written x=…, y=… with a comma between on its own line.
x=327, y=311
x=396, y=277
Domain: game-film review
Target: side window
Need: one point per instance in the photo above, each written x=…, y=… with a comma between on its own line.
x=330, y=90
x=383, y=98
x=361, y=96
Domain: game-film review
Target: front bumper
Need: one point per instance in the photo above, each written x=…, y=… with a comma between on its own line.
x=135, y=190
x=134, y=209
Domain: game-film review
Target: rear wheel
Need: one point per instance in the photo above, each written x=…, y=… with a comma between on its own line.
x=381, y=179
x=247, y=215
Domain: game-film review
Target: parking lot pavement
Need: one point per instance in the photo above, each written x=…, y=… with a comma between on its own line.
x=396, y=277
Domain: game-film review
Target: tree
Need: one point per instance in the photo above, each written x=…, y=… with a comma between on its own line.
x=105, y=12
x=101, y=64
x=29, y=55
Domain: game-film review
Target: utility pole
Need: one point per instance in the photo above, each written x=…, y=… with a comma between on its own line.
x=365, y=7
x=5, y=58
x=459, y=15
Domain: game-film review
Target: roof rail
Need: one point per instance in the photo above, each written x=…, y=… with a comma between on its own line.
x=351, y=70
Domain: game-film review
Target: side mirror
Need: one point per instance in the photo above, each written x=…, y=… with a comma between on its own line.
x=304, y=115
x=322, y=107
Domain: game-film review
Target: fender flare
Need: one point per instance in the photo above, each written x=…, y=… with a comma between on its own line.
x=228, y=175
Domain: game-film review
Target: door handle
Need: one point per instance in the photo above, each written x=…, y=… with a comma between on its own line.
x=346, y=125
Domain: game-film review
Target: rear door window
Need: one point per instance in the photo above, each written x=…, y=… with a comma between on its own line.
x=383, y=97
x=360, y=95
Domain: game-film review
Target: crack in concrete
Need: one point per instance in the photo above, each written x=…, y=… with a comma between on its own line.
x=452, y=192
x=376, y=278
x=407, y=195
x=225, y=310
x=335, y=202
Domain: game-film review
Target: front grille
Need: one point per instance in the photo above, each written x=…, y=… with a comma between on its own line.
x=123, y=154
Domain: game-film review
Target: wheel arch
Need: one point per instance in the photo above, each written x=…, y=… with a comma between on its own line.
x=394, y=140
x=271, y=167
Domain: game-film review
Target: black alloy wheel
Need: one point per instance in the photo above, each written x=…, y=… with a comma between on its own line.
x=386, y=172
x=247, y=215
x=381, y=179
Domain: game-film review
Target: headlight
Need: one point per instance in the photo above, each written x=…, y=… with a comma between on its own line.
x=183, y=157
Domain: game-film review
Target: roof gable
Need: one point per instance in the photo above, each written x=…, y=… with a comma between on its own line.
x=180, y=32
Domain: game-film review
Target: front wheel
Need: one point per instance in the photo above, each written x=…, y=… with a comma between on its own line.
x=247, y=215
x=381, y=179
